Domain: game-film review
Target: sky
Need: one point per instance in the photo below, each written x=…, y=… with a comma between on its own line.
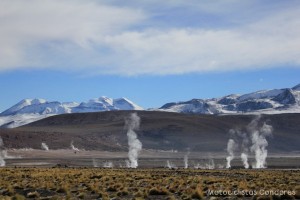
x=151, y=52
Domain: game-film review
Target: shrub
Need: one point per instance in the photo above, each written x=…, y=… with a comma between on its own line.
x=156, y=191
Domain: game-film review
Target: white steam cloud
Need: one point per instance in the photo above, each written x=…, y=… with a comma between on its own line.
x=127, y=163
x=244, y=158
x=186, y=160
x=171, y=165
x=253, y=140
x=230, y=149
x=108, y=164
x=209, y=165
x=73, y=147
x=260, y=142
x=244, y=149
x=135, y=146
x=2, y=153
x=45, y=146
x=95, y=163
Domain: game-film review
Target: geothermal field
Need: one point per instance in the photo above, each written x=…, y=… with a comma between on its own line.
x=152, y=155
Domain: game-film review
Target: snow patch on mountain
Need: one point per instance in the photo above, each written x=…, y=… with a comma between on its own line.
x=17, y=120
x=260, y=95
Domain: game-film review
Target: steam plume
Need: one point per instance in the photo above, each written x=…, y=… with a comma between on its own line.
x=135, y=146
x=127, y=163
x=254, y=140
x=108, y=164
x=95, y=163
x=244, y=158
x=45, y=146
x=211, y=164
x=2, y=153
x=245, y=149
x=170, y=165
x=260, y=144
x=230, y=149
x=73, y=147
x=186, y=160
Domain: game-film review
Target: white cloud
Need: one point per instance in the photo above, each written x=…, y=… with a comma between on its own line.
x=272, y=42
x=97, y=38
x=182, y=51
x=28, y=26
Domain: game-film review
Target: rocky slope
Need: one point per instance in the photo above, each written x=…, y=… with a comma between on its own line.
x=158, y=130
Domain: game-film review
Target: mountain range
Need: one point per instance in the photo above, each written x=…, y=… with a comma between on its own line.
x=273, y=101
x=30, y=110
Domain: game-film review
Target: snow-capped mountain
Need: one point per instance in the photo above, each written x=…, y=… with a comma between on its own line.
x=39, y=106
x=29, y=110
x=265, y=101
x=105, y=104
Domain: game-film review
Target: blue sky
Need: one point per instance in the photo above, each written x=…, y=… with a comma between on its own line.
x=151, y=52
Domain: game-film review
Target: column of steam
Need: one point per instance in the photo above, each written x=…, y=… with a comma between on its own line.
x=75, y=149
x=169, y=164
x=2, y=153
x=231, y=146
x=260, y=144
x=186, y=160
x=244, y=148
x=44, y=146
x=135, y=146
x=244, y=158
x=230, y=150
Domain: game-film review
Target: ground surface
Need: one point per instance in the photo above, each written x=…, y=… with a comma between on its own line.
x=147, y=159
x=96, y=183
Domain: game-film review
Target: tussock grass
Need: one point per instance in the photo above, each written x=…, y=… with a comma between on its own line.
x=95, y=183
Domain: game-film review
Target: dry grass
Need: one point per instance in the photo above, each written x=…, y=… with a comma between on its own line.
x=93, y=183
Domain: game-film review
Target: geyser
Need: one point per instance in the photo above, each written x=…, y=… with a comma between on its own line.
x=132, y=124
x=244, y=158
x=44, y=146
x=171, y=165
x=186, y=160
x=259, y=142
x=252, y=140
x=230, y=149
x=73, y=147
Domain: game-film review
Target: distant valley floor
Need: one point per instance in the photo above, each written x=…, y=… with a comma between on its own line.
x=147, y=159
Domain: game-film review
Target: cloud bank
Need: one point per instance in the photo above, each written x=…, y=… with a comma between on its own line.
x=98, y=38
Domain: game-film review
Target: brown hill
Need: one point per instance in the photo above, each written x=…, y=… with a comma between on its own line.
x=158, y=130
